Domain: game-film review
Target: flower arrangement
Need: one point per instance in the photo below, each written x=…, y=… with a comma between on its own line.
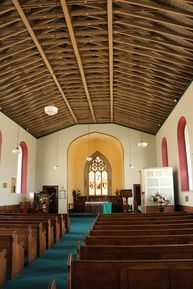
x=42, y=201
x=160, y=199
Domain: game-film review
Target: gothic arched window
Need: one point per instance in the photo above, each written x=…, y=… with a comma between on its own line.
x=98, y=176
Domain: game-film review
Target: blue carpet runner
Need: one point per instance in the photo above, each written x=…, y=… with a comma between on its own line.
x=53, y=264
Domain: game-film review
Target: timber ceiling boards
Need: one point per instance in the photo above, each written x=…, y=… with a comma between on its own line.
x=112, y=61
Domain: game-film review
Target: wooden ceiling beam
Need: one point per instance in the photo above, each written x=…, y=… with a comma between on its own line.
x=15, y=33
x=148, y=73
x=150, y=62
x=165, y=100
x=153, y=68
x=13, y=53
x=110, y=39
x=158, y=7
x=142, y=83
x=153, y=55
x=19, y=59
x=176, y=56
x=35, y=40
x=158, y=30
x=132, y=76
x=171, y=44
x=77, y=54
x=157, y=19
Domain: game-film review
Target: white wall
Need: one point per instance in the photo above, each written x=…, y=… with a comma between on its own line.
x=169, y=130
x=8, y=162
x=46, y=155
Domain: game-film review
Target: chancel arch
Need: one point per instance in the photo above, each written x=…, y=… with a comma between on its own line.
x=110, y=150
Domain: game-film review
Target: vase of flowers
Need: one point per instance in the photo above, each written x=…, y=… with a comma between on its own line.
x=160, y=200
x=42, y=201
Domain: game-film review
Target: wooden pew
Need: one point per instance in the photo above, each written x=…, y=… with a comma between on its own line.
x=29, y=220
x=125, y=274
x=135, y=252
x=141, y=232
x=144, y=227
x=67, y=222
x=62, y=220
x=26, y=235
x=38, y=231
x=143, y=222
x=3, y=266
x=144, y=239
x=15, y=252
x=145, y=215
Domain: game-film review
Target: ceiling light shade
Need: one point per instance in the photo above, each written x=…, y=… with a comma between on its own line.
x=142, y=144
x=131, y=166
x=89, y=159
x=51, y=110
x=56, y=167
x=16, y=150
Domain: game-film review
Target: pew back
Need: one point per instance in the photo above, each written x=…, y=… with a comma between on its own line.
x=3, y=266
x=146, y=274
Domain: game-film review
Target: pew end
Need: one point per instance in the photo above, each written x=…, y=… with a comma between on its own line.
x=52, y=284
x=69, y=265
x=3, y=266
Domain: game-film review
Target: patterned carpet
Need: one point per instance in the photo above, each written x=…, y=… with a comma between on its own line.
x=53, y=264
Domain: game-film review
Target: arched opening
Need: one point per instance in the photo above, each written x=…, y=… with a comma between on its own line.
x=0, y=143
x=21, y=183
x=108, y=146
x=183, y=154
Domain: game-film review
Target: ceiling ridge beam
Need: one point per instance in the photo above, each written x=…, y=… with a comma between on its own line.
x=77, y=54
x=35, y=40
x=110, y=38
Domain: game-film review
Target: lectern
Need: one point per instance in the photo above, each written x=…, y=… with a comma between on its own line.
x=126, y=193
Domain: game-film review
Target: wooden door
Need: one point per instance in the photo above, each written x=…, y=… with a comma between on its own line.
x=136, y=196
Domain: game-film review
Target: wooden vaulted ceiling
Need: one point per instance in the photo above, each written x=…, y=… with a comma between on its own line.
x=99, y=61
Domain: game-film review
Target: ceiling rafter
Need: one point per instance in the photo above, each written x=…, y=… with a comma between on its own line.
x=77, y=53
x=35, y=40
x=158, y=30
x=158, y=19
x=156, y=6
x=110, y=38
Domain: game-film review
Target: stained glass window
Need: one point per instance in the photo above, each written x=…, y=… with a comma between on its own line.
x=98, y=177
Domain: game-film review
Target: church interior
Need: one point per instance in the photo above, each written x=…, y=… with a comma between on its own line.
x=96, y=144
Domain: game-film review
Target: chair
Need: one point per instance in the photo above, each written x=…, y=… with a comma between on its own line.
x=52, y=285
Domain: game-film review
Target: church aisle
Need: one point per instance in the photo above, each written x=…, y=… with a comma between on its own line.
x=53, y=264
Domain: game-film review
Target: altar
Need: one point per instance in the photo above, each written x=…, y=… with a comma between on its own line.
x=98, y=207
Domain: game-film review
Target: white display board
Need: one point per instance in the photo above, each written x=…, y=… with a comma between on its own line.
x=156, y=180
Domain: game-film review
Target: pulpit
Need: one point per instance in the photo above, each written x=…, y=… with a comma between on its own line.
x=125, y=194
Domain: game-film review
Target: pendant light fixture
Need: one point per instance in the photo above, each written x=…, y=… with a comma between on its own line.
x=131, y=166
x=17, y=149
x=51, y=110
x=89, y=158
x=56, y=167
x=142, y=144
